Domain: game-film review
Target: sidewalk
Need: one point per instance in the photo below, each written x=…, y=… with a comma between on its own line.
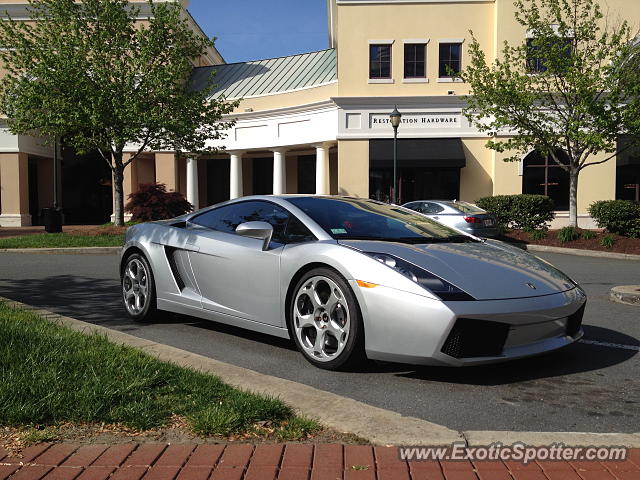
x=275, y=461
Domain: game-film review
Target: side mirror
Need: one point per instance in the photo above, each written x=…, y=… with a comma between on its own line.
x=260, y=230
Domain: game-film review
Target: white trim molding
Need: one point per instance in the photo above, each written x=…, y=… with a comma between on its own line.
x=418, y=41
x=451, y=40
x=381, y=42
x=379, y=2
x=380, y=80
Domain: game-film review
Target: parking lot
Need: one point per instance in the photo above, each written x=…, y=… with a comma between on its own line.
x=591, y=386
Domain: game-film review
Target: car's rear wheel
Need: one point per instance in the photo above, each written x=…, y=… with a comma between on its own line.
x=138, y=288
x=326, y=322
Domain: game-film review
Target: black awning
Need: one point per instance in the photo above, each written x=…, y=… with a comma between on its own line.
x=418, y=153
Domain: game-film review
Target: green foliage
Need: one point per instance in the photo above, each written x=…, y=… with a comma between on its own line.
x=51, y=374
x=40, y=435
x=538, y=234
x=296, y=429
x=568, y=234
x=607, y=241
x=588, y=234
x=563, y=106
x=91, y=73
x=525, y=212
x=153, y=202
x=62, y=240
x=617, y=216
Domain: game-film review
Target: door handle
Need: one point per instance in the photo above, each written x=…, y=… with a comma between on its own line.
x=436, y=217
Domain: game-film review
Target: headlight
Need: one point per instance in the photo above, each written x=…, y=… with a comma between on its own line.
x=427, y=280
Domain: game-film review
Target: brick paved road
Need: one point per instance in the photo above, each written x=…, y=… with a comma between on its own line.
x=282, y=462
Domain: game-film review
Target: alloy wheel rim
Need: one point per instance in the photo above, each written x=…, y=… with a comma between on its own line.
x=135, y=287
x=321, y=318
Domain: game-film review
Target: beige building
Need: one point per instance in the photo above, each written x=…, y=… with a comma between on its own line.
x=319, y=122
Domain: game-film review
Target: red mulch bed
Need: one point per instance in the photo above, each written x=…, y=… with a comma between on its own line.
x=621, y=245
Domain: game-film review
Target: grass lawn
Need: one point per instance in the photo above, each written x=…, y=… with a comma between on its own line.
x=60, y=240
x=51, y=375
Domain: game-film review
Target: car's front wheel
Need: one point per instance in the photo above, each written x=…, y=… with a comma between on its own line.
x=326, y=321
x=138, y=288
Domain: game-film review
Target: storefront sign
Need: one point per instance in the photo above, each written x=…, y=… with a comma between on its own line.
x=416, y=120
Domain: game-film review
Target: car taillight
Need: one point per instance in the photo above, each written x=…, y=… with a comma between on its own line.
x=472, y=220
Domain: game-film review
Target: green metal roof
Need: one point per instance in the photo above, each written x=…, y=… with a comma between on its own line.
x=274, y=75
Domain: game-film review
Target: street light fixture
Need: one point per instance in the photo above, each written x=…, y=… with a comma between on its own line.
x=395, y=118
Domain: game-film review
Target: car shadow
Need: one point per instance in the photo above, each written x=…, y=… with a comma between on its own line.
x=97, y=301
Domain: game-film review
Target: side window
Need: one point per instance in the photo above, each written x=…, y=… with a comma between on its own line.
x=431, y=208
x=227, y=218
x=297, y=233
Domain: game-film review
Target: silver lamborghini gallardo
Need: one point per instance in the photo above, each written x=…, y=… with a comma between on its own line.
x=351, y=278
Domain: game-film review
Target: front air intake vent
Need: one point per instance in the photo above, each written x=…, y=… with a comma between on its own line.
x=475, y=338
x=574, y=322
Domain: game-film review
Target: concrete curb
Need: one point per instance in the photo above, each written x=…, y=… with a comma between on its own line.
x=65, y=251
x=379, y=426
x=582, y=253
x=627, y=294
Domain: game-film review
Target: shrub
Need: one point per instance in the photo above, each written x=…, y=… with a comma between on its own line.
x=617, y=216
x=153, y=202
x=538, y=234
x=568, y=234
x=607, y=241
x=588, y=235
x=525, y=212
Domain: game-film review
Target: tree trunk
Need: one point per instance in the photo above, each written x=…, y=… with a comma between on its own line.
x=118, y=200
x=573, y=197
x=118, y=189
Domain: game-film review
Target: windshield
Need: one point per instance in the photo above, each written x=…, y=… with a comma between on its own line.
x=362, y=219
x=465, y=207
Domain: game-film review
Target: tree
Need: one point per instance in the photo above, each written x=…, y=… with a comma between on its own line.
x=97, y=76
x=569, y=89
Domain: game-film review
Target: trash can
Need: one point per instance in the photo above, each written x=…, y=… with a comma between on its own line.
x=52, y=218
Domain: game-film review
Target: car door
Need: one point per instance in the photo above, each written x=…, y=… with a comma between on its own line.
x=235, y=275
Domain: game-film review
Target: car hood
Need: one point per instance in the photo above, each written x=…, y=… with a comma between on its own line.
x=490, y=270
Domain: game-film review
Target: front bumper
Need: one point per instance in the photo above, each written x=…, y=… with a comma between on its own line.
x=409, y=328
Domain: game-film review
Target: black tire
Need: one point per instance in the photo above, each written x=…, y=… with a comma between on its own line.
x=353, y=353
x=150, y=310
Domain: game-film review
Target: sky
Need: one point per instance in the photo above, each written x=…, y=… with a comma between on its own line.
x=257, y=29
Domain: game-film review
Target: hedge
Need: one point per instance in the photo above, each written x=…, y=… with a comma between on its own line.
x=524, y=212
x=153, y=202
x=617, y=216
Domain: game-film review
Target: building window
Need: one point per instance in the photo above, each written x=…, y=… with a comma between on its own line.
x=627, y=171
x=450, y=59
x=379, y=61
x=541, y=175
x=414, y=60
x=535, y=63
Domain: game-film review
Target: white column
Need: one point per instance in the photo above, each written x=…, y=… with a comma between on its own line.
x=192, y=182
x=235, y=178
x=322, y=168
x=279, y=171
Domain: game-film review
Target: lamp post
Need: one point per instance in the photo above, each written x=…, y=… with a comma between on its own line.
x=395, y=118
x=52, y=216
